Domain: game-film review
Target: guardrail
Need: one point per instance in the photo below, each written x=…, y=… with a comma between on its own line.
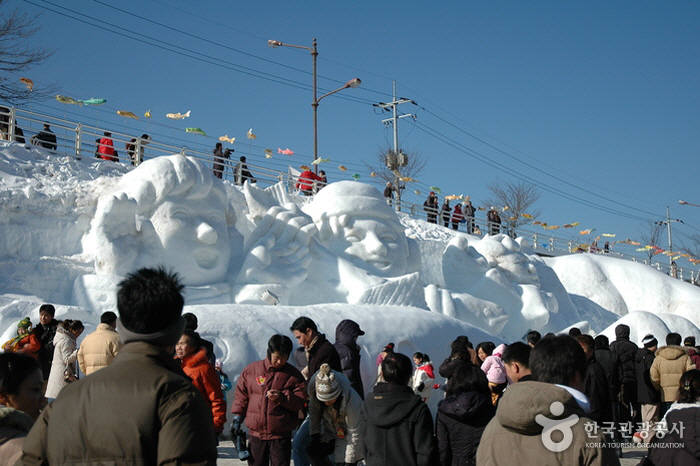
x=82, y=140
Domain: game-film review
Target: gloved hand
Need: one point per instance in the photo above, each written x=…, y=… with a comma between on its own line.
x=314, y=445
x=421, y=386
x=236, y=424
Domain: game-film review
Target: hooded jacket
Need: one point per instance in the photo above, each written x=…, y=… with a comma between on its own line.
x=65, y=354
x=349, y=353
x=514, y=436
x=98, y=349
x=461, y=420
x=625, y=352
x=399, y=428
x=346, y=427
x=322, y=351
x=14, y=426
x=666, y=370
x=688, y=454
x=267, y=419
x=423, y=380
x=196, y=366
x=647, y=393
x=141, y=409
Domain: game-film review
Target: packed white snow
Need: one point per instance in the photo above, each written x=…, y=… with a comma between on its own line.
x=71, y=229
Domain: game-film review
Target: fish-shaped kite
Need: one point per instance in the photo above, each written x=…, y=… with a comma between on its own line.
x=305, y=167
x=225, y=138
x=195, y=131
x=67, y=100
x=178, y=116
x=436, y=189
x=288, y=151
x=586, y=232
x=28, y=82
x=126, y=114
x=268, y=153
x=608, y=235
x=528, y=216
x=318, y=161
x=373, y=174
x=452, y=197
x=148, y=113
x=416, y=192
x=407, y=179
x=342, y=168
x=93, y=101
x=551, y=227
x=356, y=176
x=505, y=207
x=250, y=134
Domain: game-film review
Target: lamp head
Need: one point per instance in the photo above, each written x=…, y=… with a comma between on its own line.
x=682, y=202
x=273, y=43
x=355, y=82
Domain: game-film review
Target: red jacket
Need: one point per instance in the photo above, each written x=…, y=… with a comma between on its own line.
x=196, y=366
x=28, y=344
x=105, y=150
x=457, y=214
x=266, y=419
x=306, y=180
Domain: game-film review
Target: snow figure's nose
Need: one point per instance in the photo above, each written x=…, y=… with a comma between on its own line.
x=373, y=245
x=206, y=234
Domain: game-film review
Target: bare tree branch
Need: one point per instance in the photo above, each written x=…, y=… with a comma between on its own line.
x=651, y=236
x=519, y=197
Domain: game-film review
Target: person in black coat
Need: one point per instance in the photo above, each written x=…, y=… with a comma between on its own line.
x=647, y=395
x=460, y=356
x=462, y=416
x=346, y=334
x=431, y=207
x=399, y=427
x=595, y=384
x=625, y=351
x=607, y=361
x=46, y=138
x=45, y=331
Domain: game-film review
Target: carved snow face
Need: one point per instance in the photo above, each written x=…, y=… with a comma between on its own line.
x=193, y=239
x=377, y=246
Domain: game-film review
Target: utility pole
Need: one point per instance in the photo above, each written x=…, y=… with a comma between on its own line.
x=397, y=158
x=668, y=222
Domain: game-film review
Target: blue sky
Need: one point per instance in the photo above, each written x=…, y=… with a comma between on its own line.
x=602, y=95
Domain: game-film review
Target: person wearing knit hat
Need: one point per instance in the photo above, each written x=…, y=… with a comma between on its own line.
x=342, y=418
x=647, y=394
x=161, y=415
x=25, y=341
x=355, y=223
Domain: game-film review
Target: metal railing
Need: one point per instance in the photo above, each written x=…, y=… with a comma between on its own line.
x=81, y=141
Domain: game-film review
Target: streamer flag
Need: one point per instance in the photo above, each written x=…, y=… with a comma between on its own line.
x=64, y=99
x=608, y=235
x=586, y=232
x=225, y=138
x=28, y=82
x=268, y=153
x=178, y=116
x=318, y=161
x=289, y=151
x=373, y=174
x=147, y=114
x=93, y=101
x=356, y=176
x=250, y=134
x=195, y=131
x=436, y=189
x=342, y=168
x=126, y=114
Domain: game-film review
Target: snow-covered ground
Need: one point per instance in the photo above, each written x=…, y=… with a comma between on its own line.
x=69, y=229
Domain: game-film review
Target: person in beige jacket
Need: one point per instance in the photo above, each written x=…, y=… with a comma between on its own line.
x=670, y=363
x=99, y=349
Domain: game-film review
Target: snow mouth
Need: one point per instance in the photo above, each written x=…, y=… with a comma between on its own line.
x=381, y=265
x=206, y=258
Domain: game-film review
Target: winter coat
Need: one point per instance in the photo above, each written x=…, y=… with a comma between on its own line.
x=445, y=212
x=607, y=361
x=28, y=344
x=46, y=139
x=65, y=354
x=322, y=351
x=305, y=182
x=469, y=210
x=457, y=214
x=515, y=437
x=268, y=420
x=399, y=428
x=141, y=409
x=646, y=392
x=625, y=352
x=196, y=366
x=14, y=426
x=349, y=353
x=666, y=370
x=105, y=150
x=431, y=207
x=423, y=380
x=688, y=454
x=493, y=366
x=449, y=366
x=460, y=422
x=343, y=423
x=242, y=173
x=694, y=356
x=46, y=334
x=595, y=386
x=98, y=349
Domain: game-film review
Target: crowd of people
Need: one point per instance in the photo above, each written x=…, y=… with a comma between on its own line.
x=153, y=393
x=462, y=213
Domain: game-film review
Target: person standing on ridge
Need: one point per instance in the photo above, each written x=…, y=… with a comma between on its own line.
x=105, y=148
x=445, y=213
x=431, y=207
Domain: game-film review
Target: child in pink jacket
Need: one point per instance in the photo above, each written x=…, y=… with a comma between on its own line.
x=495, y=372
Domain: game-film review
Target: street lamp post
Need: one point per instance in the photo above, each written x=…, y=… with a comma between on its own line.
x=688, y=203
x=314, y=104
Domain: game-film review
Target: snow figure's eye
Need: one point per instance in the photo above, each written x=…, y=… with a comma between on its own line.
x=352, y=238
